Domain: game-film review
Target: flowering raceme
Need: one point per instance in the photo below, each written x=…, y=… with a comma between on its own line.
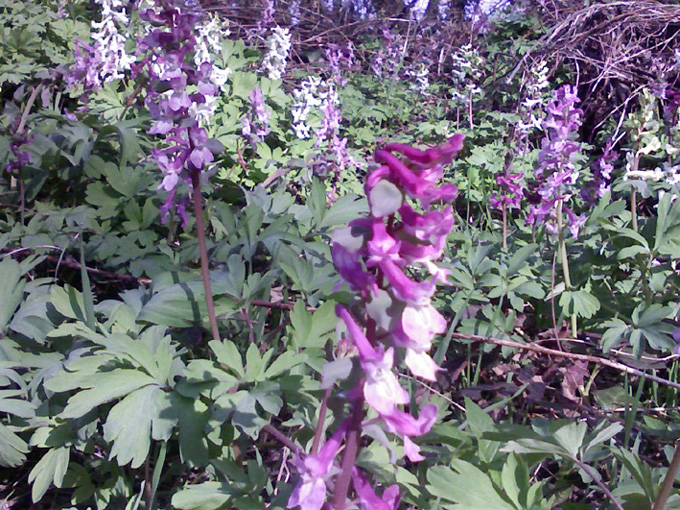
x=106, y=59
x=556, y=174
x=178, y=92
x=390, y=317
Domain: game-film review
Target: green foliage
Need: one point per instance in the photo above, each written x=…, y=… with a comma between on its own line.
x=111, y=395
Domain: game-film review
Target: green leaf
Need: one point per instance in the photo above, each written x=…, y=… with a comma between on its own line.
x=312, y=329
x=11, y=290
x=13, y=449
x=203, y=496
x=580, y=302
x=616, y=332
x=480, y=422
x=228, y=354
x=570, y=437
x=105, y=387
x=283, y=363
x=88, y=298
x=49, y=470
x=193, y=419
x=515, y=479
x=467, y=486
x=129, y=425
x=69, y=302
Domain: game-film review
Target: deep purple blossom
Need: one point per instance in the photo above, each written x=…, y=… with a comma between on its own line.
x=372, y=255
x=602, y=169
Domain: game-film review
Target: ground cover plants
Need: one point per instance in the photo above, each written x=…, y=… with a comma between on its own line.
x=335, y=255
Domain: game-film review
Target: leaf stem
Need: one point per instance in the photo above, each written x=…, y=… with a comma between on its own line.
x=562, y=247
x=585, y=467
x=282, y=438
x=205, y=270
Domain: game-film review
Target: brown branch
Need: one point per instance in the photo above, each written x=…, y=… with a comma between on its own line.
x=572, y=355
x=282, y=438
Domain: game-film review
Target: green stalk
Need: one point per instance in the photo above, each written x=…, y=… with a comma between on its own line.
x=205, y=270
x=633, y=195
x=562, y=249
x=156, y=477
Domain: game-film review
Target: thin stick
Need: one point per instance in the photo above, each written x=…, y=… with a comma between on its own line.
x=598, y=482
x=572, y=355
x=283, y=439
x=667, y=485
x=205, y=270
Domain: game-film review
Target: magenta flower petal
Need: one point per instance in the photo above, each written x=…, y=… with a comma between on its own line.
x=368, y=498
x=351, y=270
x=405, y=289
x=366, y=350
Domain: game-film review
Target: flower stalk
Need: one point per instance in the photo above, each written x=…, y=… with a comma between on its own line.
x=389, y=312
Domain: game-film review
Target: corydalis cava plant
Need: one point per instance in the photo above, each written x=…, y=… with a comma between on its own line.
x=178, y=89
x=389, y=318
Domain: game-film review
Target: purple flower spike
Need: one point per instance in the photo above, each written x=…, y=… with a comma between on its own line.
x=372, y=255
x=556, y=174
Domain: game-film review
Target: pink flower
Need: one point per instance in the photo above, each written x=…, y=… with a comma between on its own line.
x=441, y=155
x=417, y=186
x=421, y=364
x=382, y=246
x=368, y=498
x=310, y=493
x=405, y=425
x=351, y=270
x=381, y=389
x=405, y=289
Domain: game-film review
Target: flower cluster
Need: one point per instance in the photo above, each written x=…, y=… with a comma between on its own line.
x=278, y=48
x=511, y=191
x=643, y=127
x=178, y=89
x=556, y=174
x=602, y=171
x=339, y=60
x=294, y=12
x=419, y=76
x=467, y=67
x=531, y=111
x=385, y=63
x=267, y=15
x=313, y=93
x=106, y=58
x=21, y=157
x=256, y=123
x=391, y=311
